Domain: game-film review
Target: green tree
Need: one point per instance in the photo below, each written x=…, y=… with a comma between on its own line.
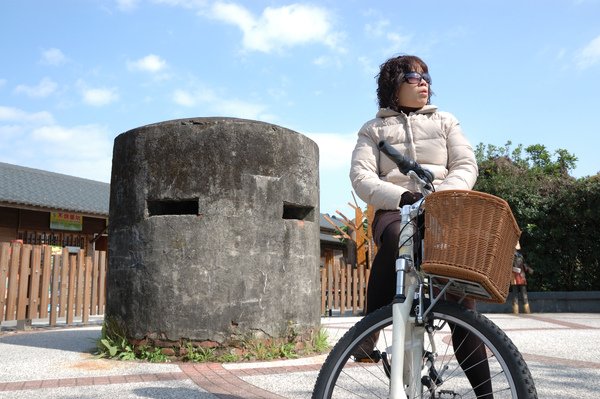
x=565, y=243
x=555, y=211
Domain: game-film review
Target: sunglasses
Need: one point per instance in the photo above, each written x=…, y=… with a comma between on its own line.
x=415, y=78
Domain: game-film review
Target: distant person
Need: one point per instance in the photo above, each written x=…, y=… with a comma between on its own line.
x=414, y=127
x=519, y=281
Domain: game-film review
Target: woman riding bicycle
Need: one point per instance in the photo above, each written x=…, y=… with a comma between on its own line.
x=435, y=140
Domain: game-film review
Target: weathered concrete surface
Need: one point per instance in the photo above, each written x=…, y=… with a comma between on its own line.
x=213, y=230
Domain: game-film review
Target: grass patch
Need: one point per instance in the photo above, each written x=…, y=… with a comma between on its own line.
x=113, y=344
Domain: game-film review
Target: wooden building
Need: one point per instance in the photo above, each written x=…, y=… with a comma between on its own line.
x=40, y=207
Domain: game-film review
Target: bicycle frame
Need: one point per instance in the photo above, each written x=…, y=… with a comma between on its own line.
x=408, y=331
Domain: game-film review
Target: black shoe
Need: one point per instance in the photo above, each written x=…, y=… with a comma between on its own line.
x=366, y=351
x=373, y=357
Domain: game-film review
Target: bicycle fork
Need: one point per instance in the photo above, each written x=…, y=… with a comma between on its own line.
x=407, y=349
x=407, y=340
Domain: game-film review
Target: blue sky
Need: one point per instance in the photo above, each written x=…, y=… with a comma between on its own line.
x=75, y=74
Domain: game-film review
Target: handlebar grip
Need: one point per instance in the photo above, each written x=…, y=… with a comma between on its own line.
x=405, y=164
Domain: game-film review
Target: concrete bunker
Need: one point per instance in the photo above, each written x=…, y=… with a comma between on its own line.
x=213, y=231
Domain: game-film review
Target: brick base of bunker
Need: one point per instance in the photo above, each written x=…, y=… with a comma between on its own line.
x=213, y=231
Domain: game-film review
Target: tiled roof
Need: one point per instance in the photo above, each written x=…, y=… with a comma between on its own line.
x=38, y=188
x=20, y=185
x=328, y=231
x=325, y=225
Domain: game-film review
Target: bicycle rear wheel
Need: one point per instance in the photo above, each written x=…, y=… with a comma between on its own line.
x=343, y=377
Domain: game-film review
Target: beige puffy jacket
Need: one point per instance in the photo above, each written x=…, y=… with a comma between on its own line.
x=434, y=139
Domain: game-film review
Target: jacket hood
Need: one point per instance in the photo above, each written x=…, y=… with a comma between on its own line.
x=387, y=112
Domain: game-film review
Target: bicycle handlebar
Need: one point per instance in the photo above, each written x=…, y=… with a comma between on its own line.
x=404, y=163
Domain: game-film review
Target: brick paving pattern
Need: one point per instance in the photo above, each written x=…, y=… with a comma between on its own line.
x=228, y=381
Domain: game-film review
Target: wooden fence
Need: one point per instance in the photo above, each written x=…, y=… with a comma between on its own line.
x=37, y=284
x=343, y=287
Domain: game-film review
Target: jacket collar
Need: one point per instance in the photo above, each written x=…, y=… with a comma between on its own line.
x=386, y=112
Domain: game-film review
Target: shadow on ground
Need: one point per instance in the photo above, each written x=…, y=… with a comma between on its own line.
x=83, y=340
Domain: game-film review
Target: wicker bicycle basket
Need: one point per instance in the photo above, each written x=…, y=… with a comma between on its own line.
x=470, y=235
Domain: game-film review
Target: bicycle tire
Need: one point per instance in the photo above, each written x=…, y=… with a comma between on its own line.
x=342, y=377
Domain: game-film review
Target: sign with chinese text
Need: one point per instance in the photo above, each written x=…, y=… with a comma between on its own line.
x=66, y=221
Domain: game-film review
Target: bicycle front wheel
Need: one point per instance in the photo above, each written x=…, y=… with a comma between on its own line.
x=465, y=356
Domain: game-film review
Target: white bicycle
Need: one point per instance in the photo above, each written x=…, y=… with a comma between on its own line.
x=423, y=345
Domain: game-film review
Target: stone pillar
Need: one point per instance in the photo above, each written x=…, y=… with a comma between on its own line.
x=213, y=231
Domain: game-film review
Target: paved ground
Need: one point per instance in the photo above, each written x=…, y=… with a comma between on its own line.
x=562, y=351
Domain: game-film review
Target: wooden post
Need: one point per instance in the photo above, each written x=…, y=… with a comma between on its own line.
x=45, y=284
x=361, y=242
x=342, y=267
x=323, y=288
x=64, y=278
x=354, y=290
x=4, y=262
x=95, y=278
x=102, y=282
x=54, y=292
x=329, y=264
x=79, y=282
x=72, y=262
x=33, y=311
x=87, y=290
x=361, y=284
x=349, y=286
x=13, y=272
x=336, y=283
x=22, y=295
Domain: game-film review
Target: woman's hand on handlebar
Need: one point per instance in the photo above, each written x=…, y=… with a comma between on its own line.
x=409, y=198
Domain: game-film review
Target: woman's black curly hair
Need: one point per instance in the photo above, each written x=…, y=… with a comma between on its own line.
x=391, y=75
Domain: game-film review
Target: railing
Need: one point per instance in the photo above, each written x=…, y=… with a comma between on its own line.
x=37, y=283
x=343, y=287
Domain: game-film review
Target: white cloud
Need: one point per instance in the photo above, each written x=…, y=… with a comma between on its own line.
x=381, y=28
x=589, y=55
x=191, y=98
x=197, y=4
x=398, y=42
x=182, y=97
x=335, y=150
x=127, y=5
x=2, y=82
x=46, y=87
x=327, y=61
x=99, y=96
x=241, y=109
x=84, y=151
x=8, y=134
x=34, y=139
x=217, y=105
x=53, y=56
x=279, y=27
x=52, y=133
x=16, y=115
x=150, y=63
x=377, y=28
